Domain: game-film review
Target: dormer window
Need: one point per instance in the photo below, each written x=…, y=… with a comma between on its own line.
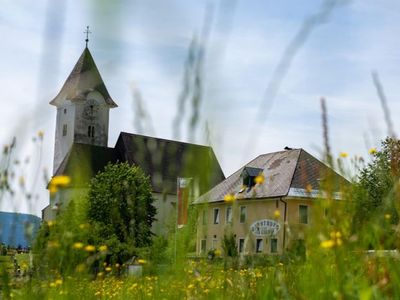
x=249, y=175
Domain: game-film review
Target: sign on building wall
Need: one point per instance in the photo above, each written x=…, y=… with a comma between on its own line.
x=265, y=227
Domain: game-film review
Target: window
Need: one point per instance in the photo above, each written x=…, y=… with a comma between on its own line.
x=303, y=214
x=90, y=131
x=216, y=215
x=243, y=213
x=249, y=175
x=203, y=246
x=259, y=245
x=228, y=214
x=64, y=129
x=241, y=245
x=274, y=245
x=204, y=217
x=214, y=243
x=65, y=111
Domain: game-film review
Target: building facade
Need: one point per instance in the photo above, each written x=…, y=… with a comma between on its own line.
x=267, y=205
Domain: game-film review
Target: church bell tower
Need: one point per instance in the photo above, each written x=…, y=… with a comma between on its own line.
x=83, y=106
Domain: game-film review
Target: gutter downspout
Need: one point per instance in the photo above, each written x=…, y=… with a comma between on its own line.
x=284, y=224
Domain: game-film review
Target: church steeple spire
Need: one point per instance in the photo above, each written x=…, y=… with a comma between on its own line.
x=83, y=79
x=87, y=32
x=83, y=106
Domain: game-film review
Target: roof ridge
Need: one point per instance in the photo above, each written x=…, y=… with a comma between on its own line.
x=162, y=139
x=294, y=170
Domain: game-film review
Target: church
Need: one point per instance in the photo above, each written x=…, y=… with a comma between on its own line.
x=81, y=147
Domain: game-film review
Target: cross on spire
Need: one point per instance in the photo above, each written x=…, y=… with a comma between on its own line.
x=87, y=32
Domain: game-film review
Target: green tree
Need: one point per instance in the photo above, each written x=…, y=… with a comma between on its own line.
x=120, y=210
x=377, y=193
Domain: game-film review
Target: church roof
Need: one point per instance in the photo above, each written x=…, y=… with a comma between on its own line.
x=163, y=160
x=166, y=160
x=83, y=161
x=286, y=173
x=84, y=78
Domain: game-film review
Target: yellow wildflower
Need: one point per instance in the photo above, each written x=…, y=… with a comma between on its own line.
x=388, y=216
x=217, y=252
x=141, y=261
x=53, y=189
x=117, y=265
x=50, y=223
x=259, y=179
x=327, y=244
x=108, y=269
x=190, y=286
x=343, y=154
x=58, y=181
x=52, y=284
x=77, y=245
x=229, y=197
x=372, y=151
x=58, y=282
x=100, y=274
x=277, y=214
x=90, y=248
x=103, y=248
x=61, y=180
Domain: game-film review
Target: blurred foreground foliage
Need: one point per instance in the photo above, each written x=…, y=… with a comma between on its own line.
x=332, y=262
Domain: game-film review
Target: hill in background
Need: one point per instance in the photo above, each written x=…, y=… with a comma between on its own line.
x=18, y=229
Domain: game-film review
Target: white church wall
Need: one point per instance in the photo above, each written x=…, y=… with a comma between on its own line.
x=92, y=112
x=166, y=215
x=64, y=136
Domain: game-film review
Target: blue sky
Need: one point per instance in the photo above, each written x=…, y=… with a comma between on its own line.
x=144, y=44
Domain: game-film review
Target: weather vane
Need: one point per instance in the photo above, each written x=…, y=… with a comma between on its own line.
x=87, y=35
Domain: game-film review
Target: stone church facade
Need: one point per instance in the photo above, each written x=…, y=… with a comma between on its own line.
x=81, y=147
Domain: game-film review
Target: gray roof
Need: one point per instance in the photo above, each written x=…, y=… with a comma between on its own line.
x=163, y=160
x=84, y=78
x=282, y=171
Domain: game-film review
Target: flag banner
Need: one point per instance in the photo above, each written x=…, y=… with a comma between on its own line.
x=183, y=190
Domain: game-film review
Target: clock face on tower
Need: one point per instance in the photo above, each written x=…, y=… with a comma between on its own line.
x=91, y=109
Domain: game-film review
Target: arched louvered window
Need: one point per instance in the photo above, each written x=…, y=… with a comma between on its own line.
x=90, y=131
